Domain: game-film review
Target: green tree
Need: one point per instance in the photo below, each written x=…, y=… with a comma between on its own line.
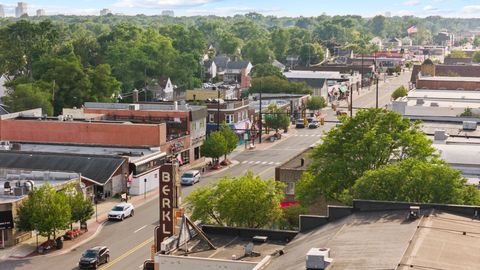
x=399, y=92
x=311, y=53
x=412, y=180
x=81, y=208
x=367, y=141
x=257, y=52
x=458, y=54
x=279, y=42
x=26, y=96
x=378, y=25
x=231, y=139
x=215, y=146
x=44, y=210
x=219, y=202
x=316, y=103
x=476, y=57
x=104, y=85
x=267, y=69
x=276, y=118
x=230, y=44
x=291, y=216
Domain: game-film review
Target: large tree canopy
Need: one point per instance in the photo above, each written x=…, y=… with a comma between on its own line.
x=368, y=141
x=246, y=201
x=411, y=180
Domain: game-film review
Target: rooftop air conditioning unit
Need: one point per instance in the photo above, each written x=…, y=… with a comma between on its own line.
x=420, y=101
x=134, y=107
x=434, y=104
x=318, y=258
x=469, y=125
x=440, y=135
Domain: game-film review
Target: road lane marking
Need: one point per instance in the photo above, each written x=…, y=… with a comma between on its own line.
x=143, y=227
x=126, y=254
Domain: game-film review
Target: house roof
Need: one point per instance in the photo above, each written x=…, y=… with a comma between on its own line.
x=221, y=61
x=237, y=64
x=3, y=110
x=98, y=169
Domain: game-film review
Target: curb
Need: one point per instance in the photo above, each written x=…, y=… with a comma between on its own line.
x=234, y=163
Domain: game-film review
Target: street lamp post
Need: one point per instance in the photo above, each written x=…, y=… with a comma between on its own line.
x=145, y=188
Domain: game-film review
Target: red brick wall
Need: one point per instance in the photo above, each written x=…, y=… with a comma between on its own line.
x=83, y=133
x=450, y=85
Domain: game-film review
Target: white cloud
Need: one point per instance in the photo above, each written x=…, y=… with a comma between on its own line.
x=471, y=9
x=160, y=3
x=404, y=13
x=411, y=2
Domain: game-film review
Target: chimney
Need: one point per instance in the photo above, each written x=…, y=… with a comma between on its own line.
x=135, y=96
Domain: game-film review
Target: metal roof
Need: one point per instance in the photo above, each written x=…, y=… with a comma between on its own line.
x=98, y=169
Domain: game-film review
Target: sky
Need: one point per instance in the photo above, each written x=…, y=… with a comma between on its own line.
x=293, y=8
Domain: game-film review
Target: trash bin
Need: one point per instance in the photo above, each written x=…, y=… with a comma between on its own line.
x=59, y=242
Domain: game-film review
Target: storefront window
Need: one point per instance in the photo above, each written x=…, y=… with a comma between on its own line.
x=186, y=157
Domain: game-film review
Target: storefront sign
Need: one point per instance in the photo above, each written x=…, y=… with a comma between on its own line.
x=176, y=147
x=198, y=140
x=168, y=202
x=6, y=220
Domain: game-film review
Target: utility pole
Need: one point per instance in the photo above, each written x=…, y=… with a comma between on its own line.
x=260, y=118
x=351, y=101
x=218, y=110
x=376, y=95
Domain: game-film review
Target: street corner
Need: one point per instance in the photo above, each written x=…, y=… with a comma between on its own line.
x=210, y=172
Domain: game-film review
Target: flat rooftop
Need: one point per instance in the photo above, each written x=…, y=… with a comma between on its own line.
x=440, y=243
x=363, y=240
x=134, y=154
x=228, y=246
x=453, y=129
x=306, y=74
x=444, y=94
x=144, y=106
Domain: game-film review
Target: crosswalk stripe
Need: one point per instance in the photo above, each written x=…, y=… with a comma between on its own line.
x=270, y=163
x=264, y=162
x=257, y=162
x=245, y=161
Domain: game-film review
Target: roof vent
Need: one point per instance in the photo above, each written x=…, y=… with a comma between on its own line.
x=440, y=135
x=318, y=258
x=469, y=125
x=434, y=104
x=420, y=102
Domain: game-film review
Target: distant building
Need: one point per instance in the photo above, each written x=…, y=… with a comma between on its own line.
x=21, y=9
x=2, y=12
x=105, y=12
x=168, y=13
x=40, y=12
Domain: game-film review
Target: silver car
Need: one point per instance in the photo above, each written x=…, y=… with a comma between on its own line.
x=190, y=177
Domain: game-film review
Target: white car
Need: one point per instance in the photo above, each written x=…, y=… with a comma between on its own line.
x=121, y=211
x=190, y=177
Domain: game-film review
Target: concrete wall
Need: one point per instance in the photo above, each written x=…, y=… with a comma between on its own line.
x=83, y=132
x=167, y=262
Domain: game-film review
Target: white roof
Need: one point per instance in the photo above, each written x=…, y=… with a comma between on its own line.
x=306, y=74
x=461, y=154
x=444, y=94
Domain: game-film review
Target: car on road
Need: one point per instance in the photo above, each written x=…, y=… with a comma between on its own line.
x=314, y=124
x=299, y=123
x=121, y=211
x=190, y=177
x=93, y=257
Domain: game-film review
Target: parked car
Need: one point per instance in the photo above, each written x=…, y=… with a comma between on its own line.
x=299, y=123
x=190, y=177
x=94, y=257
x=121, y=211
x=339, y=112
x=314, y=124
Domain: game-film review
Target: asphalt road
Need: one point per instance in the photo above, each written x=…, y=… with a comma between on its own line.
x=129, y=241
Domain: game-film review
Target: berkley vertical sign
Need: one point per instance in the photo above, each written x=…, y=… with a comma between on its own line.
x=168, y=202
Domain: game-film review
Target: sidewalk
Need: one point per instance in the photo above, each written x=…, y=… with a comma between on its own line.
x=95, y=225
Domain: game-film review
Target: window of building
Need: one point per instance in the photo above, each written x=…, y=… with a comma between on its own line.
x=211, y=118
x=239, y=116
x=290, y=188
x=196, y=154
x=229, y=118
x=185, y=157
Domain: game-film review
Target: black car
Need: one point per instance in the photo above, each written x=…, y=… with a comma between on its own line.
x=93, y=257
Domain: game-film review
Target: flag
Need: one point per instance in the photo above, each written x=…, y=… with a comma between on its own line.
x=179, y=159
x=412, y=30
x=130, y=178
